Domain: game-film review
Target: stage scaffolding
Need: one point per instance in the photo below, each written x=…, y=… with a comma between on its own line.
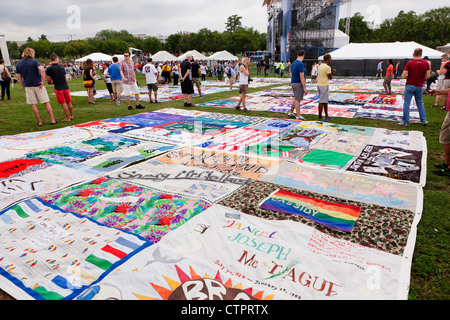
x=311, y=28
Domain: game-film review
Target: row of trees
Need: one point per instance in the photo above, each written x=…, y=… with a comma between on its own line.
x=236, y=38
x=431, y=29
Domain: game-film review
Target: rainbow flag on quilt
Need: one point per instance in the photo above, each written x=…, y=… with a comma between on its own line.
x=337, y=216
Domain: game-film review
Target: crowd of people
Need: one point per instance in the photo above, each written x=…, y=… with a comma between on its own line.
x=416, y=72
x=121, y=78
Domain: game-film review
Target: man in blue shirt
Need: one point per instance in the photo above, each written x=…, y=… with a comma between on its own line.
x=116, y=79
x=31, y=76
x=298, y=83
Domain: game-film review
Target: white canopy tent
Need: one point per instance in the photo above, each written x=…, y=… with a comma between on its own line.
x=381, y=51
x=95, y=57
x=223, y=56
x=197, y=55
x=162, y=56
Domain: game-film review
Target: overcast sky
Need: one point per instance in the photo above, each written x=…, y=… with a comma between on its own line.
x=61, y=20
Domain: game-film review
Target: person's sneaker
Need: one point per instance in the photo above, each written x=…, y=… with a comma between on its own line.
x=425, y=123
x=443, y=108
x=130, y=108
x=139, y=106
x=245, y=109
x=441, y=166
x=435, y=106
x=189, y=105
x=443, y=173
x=238, y=107
x=401, y=123
x=328, y=119
x=118, y=103
x=185, y=104
x=291, y=115
x=300, y=118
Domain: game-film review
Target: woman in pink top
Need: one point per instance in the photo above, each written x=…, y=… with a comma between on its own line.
x=389, y=77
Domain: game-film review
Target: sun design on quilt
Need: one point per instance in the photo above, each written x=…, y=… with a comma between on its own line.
x=196, y=287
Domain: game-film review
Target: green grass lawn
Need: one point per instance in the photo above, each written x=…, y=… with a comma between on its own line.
x=430, y=273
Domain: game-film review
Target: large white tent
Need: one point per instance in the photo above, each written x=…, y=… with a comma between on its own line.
x=164, y=56
x=223, y=56
x=95, y=57
x=382, y=51
x=197, y=55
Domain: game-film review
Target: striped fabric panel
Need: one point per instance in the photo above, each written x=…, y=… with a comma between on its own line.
x=337, y=216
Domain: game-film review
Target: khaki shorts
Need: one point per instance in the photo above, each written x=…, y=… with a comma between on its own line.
x=444, y=137
x=243, y=88
x=197, y=82
x=233, y=79
x=446, y=84
x=34, y=94
x=117, y=86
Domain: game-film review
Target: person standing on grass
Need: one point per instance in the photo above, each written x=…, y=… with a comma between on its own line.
x=187, y=87
x=116, y=79
x=203, y=69
x=57, y=74
x=444, y=137
x=151, y=76
x=416, y=72
x=196, y=71
x=31, y=76
x=397, y=70
x=379, y=70
x=107, y=79
x=314, y=72
x=244, y=74
x=324, y=75
x=89, y=79
x=127, y=70
x=389, y=76
x=5, y=81
x=298, y=84
x=442, y=72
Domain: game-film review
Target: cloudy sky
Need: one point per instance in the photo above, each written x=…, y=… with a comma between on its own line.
x=61, y=20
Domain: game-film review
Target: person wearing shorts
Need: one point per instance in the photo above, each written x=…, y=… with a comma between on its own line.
x=244, y=74
x=298, y=84
x=187, y=87
x=107, y=79
x=323, y=79
x=57, y=75
x=31, y=76
x=444, y=136
x=127, y=71
x=151, y=78
x=116, y=79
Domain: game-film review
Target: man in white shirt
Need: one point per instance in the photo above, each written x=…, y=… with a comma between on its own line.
x=151, y=77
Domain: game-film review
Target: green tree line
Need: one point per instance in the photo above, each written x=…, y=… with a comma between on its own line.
x=431, y=29
x=235, y=38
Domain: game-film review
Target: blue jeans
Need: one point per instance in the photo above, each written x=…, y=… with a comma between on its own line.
x=417, y=92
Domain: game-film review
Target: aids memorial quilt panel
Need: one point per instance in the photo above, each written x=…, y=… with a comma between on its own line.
x=239, y=165
x=125, y=206
x=348, y=185
x=382, y=228
x=25, y=178
x=259, y=259
x=192, y=182
x=49, y=254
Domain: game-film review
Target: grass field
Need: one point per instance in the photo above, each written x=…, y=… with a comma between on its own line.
x=430, y=267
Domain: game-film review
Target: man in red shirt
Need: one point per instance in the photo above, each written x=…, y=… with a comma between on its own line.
x=416, y=72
